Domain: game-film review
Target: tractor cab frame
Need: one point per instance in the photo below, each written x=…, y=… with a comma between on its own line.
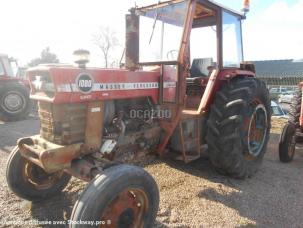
x=171, y=26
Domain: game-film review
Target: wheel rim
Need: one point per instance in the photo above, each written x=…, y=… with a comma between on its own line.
x=127, y=209
x=257, y=130
x=38, y=177
x=13, y=102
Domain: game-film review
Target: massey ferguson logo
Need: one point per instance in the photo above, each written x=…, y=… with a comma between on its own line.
x=85, y=83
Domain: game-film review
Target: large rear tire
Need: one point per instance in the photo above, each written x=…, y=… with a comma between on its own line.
x=14, y=102
x=239, y=127
x=30, y=182
x=123, y=196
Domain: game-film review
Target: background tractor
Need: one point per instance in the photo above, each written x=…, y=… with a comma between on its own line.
x=185, y=90
x=14, y=92
x=292, y=133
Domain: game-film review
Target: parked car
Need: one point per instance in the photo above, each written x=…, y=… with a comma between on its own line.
x=275, y=92
x=286, y=97
x=277, y=111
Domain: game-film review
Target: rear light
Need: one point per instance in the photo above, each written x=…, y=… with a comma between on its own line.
x=246, y=6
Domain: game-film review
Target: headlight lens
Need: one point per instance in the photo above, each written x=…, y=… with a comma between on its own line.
x=42, y=83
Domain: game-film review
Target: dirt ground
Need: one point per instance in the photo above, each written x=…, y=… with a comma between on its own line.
x=192, y=195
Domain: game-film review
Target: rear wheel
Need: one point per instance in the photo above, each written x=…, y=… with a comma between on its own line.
x=123, y=196
x=31, y=182
x=14, y=102
x=239, y=127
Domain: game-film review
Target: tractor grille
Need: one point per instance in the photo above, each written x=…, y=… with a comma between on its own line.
x=62, y=124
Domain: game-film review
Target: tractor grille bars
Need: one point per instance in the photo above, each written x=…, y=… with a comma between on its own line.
x=62, y=124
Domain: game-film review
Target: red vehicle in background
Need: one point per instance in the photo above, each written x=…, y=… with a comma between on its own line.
x=14, y=92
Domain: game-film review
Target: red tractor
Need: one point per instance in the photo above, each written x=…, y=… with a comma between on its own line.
x=95, y=122
x=14, y=93
x=292, y=133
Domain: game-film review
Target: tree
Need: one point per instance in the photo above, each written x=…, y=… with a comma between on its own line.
x=106, y=41
x=45, y=57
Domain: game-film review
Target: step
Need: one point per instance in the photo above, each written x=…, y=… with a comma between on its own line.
x=189, y=114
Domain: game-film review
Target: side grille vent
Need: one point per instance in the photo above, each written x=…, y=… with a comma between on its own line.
x=62, y=124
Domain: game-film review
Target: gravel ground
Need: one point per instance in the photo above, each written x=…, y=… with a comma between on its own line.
x=192, y=195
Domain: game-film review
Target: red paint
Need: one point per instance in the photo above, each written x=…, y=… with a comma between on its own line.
x=5, y=78
x=61, y=76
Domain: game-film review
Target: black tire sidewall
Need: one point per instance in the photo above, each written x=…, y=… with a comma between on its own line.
x=104, y=188
x=236, y=99
x=285, y=139
x=25, y=189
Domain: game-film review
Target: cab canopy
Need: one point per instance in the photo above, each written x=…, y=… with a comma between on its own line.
x=208, y=28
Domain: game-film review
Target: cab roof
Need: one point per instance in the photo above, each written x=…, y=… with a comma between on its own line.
x=204, y=9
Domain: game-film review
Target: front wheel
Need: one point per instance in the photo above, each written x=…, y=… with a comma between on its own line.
x=287, y=144
x=31, y=182
x=239, y=127
x=123, y=196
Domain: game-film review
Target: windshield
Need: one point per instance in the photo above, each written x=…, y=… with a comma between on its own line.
x=161, y=31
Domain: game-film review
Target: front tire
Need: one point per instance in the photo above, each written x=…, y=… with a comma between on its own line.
x=122, y=196
x=30, y=182
x=287, y=144
x=239, y=127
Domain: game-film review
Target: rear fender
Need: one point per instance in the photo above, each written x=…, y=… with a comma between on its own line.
x=216, y=80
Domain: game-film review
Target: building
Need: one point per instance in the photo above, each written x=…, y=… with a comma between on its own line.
x=287, y=72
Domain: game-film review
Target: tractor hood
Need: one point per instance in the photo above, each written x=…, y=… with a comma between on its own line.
x=59, y=84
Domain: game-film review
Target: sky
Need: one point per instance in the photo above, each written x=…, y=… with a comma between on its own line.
x=273, y=28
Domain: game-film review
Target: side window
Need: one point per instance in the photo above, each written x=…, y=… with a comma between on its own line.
x=203, y=51
x=232, y=40
x=1, y=69
x=203, y=43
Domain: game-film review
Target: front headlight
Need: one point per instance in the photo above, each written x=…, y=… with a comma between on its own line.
x=41, y=83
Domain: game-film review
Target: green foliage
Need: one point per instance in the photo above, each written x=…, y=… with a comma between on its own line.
x=45, y=57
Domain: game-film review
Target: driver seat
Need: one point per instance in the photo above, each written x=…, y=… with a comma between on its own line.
x=199, y=67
